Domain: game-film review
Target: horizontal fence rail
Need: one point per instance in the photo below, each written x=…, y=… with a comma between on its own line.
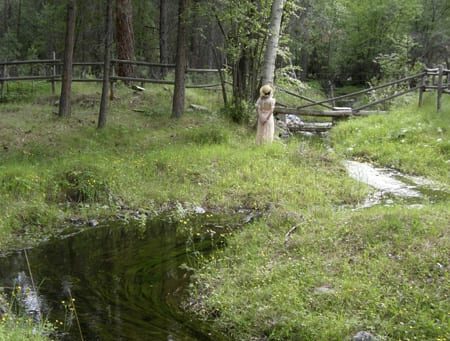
x=48, y=69
x=431, y=79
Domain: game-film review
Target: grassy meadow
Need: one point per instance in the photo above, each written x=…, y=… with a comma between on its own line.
x=311, y=268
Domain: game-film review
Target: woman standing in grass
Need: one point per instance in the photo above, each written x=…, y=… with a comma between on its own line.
x=264, y=109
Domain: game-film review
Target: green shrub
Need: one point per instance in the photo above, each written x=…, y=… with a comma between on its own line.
x=83, y=185
x=242, y=113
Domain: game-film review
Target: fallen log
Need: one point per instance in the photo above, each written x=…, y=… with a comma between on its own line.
x=309, y=112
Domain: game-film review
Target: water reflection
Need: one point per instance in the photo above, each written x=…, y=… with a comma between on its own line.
x=126, y=281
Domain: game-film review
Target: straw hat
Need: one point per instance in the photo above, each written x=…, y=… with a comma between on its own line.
x=266, y=90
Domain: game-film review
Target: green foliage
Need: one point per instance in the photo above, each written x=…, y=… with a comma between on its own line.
x=394, y=66
x=342, y=38
x=83, y=185
x=9, y=47
x=241, y=112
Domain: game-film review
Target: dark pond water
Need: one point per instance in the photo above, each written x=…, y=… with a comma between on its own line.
x=126, y=281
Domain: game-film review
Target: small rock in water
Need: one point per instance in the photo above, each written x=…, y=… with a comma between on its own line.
x=364, y=336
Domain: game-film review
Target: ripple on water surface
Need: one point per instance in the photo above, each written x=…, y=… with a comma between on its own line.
x=126, y=281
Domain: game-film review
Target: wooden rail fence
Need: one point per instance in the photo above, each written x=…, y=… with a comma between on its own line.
x=48, y=70
x=431, y=79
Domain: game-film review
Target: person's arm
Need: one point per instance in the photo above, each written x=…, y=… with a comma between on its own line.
x=257, y=106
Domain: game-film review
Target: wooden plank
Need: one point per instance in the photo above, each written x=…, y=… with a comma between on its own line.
x=366, y=90
x=203, y=70
x=135, y=62
x=313, y=127
x=432, y=71
x=202, y=86
x=25, y=78
x=160, y=81
x=386, y=99
x=87, y=64
x=309, y=112
x=303, y=97
x=34, y=61
x=144, y=80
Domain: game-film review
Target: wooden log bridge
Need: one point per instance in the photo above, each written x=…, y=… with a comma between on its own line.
x=311, y=112
x=336, y=112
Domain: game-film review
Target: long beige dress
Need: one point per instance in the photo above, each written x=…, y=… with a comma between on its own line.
x=266, y=124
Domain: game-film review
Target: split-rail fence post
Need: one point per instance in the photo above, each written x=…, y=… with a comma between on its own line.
x=111, y=87
x=422, y=87
x=53, y=72
x=440, y=87
x=2, y=83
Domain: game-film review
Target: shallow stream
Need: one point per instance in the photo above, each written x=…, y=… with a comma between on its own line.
x=392, y=186
x=127, y=282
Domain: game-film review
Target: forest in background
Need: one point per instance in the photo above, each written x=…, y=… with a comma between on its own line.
x=341, y=40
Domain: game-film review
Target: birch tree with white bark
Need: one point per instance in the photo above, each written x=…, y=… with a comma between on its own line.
x=270, y=55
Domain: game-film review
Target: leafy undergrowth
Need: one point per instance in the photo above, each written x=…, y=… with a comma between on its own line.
x=414, y=140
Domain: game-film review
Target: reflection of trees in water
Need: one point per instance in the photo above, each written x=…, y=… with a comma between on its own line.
x=125, y=280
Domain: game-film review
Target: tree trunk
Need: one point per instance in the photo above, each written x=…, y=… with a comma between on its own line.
x=19, y=19
x=107, y=66
x=66, y=84
x=268, y=69
x=5, y=16
x=124, y=36
x=181, y=60
x=163, y=35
